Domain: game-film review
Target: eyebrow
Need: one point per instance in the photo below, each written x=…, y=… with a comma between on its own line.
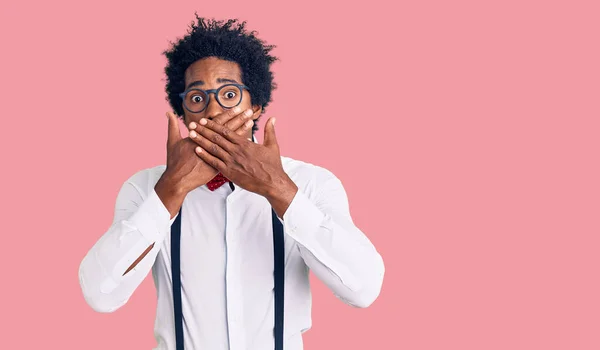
x=219, y=80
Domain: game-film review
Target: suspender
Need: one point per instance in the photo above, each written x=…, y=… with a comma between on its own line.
x=176, y=276
x=279, y=265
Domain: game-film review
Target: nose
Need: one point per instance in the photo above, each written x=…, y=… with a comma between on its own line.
x=214, y=108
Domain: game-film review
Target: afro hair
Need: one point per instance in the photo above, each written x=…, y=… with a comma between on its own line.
x=228, y=40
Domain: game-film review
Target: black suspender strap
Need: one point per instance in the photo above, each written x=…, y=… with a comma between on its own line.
x=279, y=278
x=279, y=267
x=176, y=276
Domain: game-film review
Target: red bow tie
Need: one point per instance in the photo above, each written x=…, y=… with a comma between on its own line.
x=217, y=182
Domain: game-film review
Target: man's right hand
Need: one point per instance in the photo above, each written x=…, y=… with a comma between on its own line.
x=185, y=170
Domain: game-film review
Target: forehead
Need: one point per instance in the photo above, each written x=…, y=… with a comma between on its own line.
x=210, y=69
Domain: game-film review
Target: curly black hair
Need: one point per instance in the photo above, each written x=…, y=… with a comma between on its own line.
x=228, y=40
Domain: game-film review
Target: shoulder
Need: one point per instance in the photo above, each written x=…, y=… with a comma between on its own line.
x=308, y=176
x=144, y=180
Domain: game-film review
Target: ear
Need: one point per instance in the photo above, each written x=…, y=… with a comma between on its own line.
x=257, y=111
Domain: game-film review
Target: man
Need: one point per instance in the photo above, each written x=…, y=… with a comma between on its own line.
x=207, y=224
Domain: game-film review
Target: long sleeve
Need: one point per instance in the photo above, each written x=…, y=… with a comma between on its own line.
x=331, y=245
x=140, y=219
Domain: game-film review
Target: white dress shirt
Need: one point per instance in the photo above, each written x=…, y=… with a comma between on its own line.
x=227, y=259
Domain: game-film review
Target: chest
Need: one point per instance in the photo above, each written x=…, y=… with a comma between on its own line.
x=225, y=237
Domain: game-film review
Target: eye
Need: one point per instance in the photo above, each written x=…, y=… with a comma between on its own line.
x=197, y=99
x=230, y=94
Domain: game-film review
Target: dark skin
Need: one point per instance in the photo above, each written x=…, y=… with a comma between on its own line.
x=220, y=140
x=254, y=167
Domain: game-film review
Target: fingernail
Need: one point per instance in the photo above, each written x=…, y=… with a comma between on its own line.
x=273, y=122
x=193, y=134
x=193, y=125
x=198, y=149
x=237, y=110
x=248, y=123
x=203, y=121
x=248, y=113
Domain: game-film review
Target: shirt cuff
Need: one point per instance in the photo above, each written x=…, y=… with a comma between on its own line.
x=152, y=219
x=302, y=219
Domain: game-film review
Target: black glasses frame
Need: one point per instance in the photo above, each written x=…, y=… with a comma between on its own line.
x=212, y=91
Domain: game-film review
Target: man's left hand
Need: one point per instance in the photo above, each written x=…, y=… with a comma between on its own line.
x=254, y=167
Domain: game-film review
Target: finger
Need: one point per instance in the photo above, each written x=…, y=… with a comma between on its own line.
x=209, y=135
x=228, y=115
x=240, y=119
x=219, y=134
x=270, y=137
x=174, y=135
x=243, y=130
x=209, y=146
x=211, y=160
x=233, y=120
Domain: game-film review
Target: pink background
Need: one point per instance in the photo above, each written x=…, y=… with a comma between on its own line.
x=477, y=120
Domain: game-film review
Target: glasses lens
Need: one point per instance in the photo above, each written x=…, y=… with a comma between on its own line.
x=230, y=96
x=195, y=100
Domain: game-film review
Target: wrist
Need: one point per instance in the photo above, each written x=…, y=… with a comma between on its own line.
x=170, y=194
x=281, y=194
x=170, y=184
x=278, y=187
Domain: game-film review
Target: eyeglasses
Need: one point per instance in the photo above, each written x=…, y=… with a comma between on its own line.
x=228, y=96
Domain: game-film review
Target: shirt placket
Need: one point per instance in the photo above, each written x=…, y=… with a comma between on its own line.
x=233, y=281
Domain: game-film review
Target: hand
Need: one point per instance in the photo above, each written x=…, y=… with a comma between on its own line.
x=234, y=119
x=254, y=167
x=185, y=171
